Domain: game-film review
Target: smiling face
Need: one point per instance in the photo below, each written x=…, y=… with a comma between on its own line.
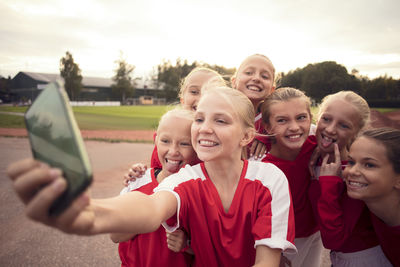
x=217, y=131
x=255, y=78
x=369, y=174
x=338, y=123
x=174, y=144
x=289, y=122
x=192, y=91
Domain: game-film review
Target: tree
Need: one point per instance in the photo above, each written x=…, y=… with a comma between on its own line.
x=123, y=85
x=170, y=76
x=71, y=73
x=320, y=79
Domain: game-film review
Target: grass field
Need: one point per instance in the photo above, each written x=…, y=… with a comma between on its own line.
x=98, y=118
x=109, y=118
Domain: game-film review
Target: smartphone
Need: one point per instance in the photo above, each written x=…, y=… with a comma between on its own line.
x=55, y=139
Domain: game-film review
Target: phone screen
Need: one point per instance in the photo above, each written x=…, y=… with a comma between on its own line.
x=55, y=139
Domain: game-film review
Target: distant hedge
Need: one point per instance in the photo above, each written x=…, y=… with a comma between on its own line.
x=381, y=103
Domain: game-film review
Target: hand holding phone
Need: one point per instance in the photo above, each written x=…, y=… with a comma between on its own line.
x=55, y=139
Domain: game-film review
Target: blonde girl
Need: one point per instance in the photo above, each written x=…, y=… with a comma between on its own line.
x=189, y=95
x=286, y=115
x=236, y=212
x=373, y=176
x=175, y=151
x=345, y=224
x=255, y=78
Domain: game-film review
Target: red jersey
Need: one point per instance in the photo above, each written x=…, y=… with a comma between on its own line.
x=389, y=237
x=298, y=176
x=150, y=249
x=345, y=224
x=261, y=213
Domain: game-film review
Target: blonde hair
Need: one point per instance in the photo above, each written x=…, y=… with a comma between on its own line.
x=184, y=82
x=255, y=55
x=352, y=98
x=239, y=102
x=178, y=112
x=283, y=94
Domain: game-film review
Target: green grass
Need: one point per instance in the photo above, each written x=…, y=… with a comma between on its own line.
x=99, y=118
x=11, y=121
x=384, y=110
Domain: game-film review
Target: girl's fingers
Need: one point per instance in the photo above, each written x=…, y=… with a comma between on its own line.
x=29, y=183
x=38, y=208
x=253, y=148
x=337, y=153
x=16, y=169
x=325, y=160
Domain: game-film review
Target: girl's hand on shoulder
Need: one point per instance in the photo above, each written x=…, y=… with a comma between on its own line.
x=334, y=168
x=313, y=162
x=136, y=171
x=38, y=186
x=257, y=149
x=176, y=240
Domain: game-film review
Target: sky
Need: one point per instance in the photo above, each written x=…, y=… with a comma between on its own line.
x=358, y=34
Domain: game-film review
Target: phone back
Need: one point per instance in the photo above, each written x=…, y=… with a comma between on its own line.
x=55, y=139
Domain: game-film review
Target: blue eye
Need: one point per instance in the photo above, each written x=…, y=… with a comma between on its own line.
x=350, y=163
x=344, y=126
x=186, y=144
x=369, y=165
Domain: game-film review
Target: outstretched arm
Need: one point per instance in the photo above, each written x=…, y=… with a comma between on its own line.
x=268, y=257
x=38, y=186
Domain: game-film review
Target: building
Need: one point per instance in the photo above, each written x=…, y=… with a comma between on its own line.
x=26, y=86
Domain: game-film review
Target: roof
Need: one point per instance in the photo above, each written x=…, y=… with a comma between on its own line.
x=86, y=81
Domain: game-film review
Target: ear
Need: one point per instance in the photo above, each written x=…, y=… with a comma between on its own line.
x=248, y=137
x=233, y=82
x=181, y=100
x=272, y=89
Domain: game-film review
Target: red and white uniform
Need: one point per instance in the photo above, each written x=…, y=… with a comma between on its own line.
x=389, y=237
x=261, y=213
x=150, y=249
x=298, y=176
x=344, y=222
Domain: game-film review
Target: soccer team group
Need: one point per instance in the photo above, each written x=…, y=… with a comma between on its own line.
x=240, y=176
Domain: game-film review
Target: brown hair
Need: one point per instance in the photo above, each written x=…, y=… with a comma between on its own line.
x=283, y=94
x=390, y=139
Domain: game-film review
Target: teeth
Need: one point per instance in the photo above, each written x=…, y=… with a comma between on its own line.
x=294, y=136
x=327, y=141
x=207, y=143
x=173, y=161
x=254, y=88
x=357, y=184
